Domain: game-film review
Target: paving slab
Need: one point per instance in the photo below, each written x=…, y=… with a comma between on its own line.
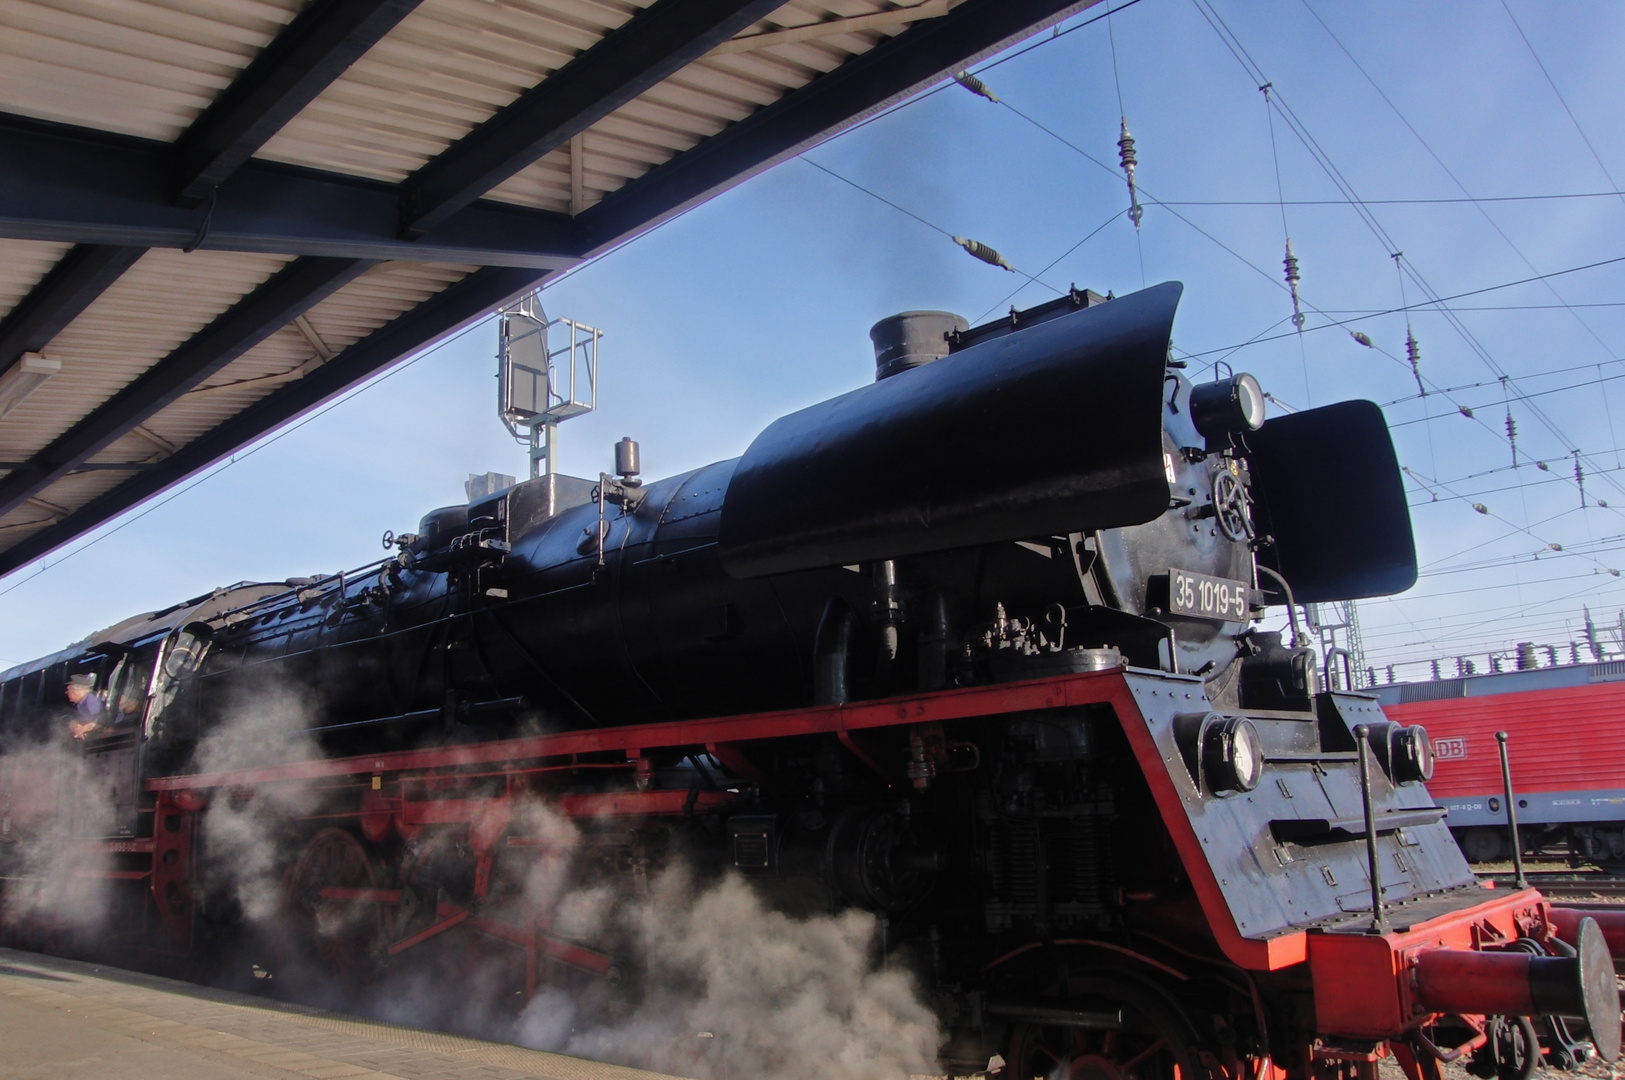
x=66, y=1020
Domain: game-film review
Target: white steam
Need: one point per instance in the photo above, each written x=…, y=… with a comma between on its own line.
x=735, y=990
x=724, y=987
x=49, y=806
x=244, y=832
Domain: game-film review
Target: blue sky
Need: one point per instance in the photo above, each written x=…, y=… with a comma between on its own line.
x=760, y=301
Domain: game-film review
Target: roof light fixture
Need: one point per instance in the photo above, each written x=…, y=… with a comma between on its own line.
x=23, y=378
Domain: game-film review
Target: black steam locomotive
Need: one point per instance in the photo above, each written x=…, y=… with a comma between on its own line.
x=975, y=647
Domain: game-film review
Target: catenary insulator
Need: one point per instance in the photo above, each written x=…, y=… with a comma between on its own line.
x=1481, y=508
x=1580, y=478
x=1465, y=411
x=1292, y=278
x=1361, y=338
x=1542, y=466
x=1512, y=437
x=983, y=252
x=975, y=86
x=1413, y=353
x=1125, y=155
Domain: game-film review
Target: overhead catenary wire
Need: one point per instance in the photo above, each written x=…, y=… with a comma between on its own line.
x=975, y=248
x=1472, y=341
x=1446, y=200
x=1434, y=302
x=1239, y=52
x=1090, y=235
x=1561, y=100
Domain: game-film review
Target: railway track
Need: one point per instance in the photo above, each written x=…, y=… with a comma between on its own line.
x=1565, y=884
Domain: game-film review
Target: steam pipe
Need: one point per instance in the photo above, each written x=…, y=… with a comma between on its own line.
x=933, y=651
x=1291, y=604
x=832, y=645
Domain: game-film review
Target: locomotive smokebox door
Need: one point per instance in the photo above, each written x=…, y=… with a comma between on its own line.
x=1045, y=430
x=1328, y=493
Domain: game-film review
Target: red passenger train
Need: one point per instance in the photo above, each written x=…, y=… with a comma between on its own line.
x=1566, y=730
x=975, y=649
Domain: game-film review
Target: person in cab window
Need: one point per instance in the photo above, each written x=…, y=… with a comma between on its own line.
x=90, y=708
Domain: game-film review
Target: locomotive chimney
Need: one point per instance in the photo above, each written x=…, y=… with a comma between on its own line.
x=912, y=339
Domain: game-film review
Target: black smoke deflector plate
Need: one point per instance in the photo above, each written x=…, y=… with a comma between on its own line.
x=1327, y=489
x=1047, y=430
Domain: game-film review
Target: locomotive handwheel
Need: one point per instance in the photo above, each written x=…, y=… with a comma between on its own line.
x=1155, y=1041
x=347, y=936
x=1230, y=506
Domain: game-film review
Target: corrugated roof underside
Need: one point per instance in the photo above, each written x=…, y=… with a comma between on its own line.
x=148, y=68
x=344, y=318
x=138, y=67
x=22, y=264
x=452, y=64
x=162, y=300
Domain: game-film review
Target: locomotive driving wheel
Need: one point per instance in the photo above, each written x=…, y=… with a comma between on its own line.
x=1155, y=1040
x=348, y=936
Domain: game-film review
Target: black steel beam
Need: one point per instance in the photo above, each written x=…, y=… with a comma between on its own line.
x=57, y=299
x=79, y=185
x=462, y=303
x=862, y=86
x=289, y=293
x=91, y=466
x=304, y=59
x=654, y=44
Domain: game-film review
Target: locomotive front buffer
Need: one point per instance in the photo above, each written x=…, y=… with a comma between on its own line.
x=1323, y=868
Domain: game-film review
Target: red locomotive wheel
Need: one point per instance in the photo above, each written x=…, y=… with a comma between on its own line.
x=1155, y=1042
x=347, y=935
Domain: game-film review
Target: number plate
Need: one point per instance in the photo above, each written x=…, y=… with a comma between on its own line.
x=1207, y=597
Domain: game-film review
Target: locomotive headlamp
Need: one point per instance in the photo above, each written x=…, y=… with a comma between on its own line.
x=1404, y=753
x=1232, y=755
x=1411, y=754
x=1230, y=406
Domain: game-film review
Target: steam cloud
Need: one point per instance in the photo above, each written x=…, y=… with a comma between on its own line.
x=736, y=990
x=729, y=988
x=55, y=878
x=244, y=837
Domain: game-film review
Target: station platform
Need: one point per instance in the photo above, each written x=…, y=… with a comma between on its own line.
x=64, y=1020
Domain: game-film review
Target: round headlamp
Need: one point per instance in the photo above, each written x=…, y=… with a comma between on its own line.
x=1232, y=755
x=1232, y=406
x=1410, y=754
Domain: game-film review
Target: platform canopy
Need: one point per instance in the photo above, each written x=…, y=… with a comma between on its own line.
x=217, y=214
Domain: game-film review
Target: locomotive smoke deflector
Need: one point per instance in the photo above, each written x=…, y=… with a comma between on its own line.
x=1049, y=430
x=1328, y=491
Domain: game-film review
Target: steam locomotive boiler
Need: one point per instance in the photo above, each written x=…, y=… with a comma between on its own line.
x=976, y=648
